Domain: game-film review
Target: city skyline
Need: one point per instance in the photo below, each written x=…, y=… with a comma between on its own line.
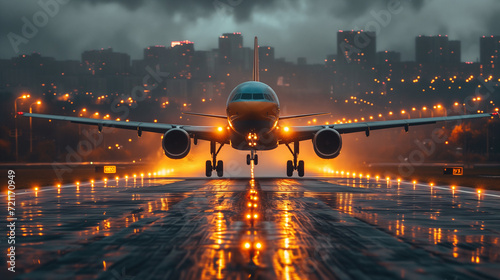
x=375, y=51
x=308, y=26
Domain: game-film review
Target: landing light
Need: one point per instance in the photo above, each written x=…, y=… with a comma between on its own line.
x=219, y=128
x=286, y=129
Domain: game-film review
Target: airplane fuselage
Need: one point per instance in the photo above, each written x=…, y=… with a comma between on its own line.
x=253, y=113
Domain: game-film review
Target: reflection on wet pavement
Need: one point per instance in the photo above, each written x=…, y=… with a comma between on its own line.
x=336, y=228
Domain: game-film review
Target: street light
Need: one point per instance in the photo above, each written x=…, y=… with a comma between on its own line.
x=31, y=126
x=24, y=96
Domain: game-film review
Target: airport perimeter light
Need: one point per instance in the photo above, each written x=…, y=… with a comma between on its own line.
x=31, y=126
x=24, y=96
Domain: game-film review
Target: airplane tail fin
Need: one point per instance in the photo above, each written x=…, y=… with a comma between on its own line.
x=256, y=60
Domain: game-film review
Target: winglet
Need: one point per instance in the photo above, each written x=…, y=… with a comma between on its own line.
x=256, y=60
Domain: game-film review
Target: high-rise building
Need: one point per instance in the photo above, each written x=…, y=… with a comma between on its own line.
x=106, y=62
x=358, y=47
x=266, y=57
x=157, y=56
x=388, y=57
x=230, y=48
x=454, y=52
x=266, y=54
x=156, y=53
x=437, y=50
x=489, y=50
x=182, y=58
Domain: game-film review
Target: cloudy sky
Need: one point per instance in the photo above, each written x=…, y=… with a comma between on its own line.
x=294, y=27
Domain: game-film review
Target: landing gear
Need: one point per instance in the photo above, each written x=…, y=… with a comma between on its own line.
x=252, y=156
x=300, y=168
x=294, y=165
x=210, y=165
x=289, y=168
x=220, y=168
x=208, y=168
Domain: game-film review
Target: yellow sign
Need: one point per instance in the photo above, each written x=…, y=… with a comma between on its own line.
x=458, y=171
x=110, y=169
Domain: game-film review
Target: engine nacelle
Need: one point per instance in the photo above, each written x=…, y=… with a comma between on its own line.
x=327, y=143
x=176, y=143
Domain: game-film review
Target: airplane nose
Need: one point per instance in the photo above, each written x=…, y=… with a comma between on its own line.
x=253, y=110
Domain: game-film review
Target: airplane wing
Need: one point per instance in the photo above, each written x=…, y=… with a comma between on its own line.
x=209, y=133
x=205, y=115
x=301, y=116
x=299, y=133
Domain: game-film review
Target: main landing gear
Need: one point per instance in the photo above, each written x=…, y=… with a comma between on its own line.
x=292, y=165
x=211, y=165
x=252, y=156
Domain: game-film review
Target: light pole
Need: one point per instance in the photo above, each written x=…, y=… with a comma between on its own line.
x=15, y=121
x=31, y=126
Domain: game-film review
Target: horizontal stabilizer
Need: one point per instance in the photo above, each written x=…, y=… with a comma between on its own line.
x=302, y=116
x=205, y=115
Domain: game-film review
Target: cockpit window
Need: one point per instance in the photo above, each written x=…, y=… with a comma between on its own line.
x=258, y=96
x=237, y=96
x=253, y=96
x=246, y=96
x=253, y=91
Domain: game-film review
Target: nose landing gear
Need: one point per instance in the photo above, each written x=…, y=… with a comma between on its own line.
x=253, y=156
x=294, y=165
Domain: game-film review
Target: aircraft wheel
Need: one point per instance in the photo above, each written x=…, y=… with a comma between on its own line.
x=248, y=159
x=220, y=168
x=300, y=168
x=289, y=168
x=256, y=160
x=208, y=168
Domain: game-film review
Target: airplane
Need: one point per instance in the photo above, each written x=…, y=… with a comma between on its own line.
x=253, y=124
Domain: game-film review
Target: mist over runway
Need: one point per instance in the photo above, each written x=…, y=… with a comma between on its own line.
x=329, y=228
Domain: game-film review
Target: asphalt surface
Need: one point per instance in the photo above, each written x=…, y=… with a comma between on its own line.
x=330, y=228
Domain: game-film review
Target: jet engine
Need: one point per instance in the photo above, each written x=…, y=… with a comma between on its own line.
x=327, y=143
x=176, y=143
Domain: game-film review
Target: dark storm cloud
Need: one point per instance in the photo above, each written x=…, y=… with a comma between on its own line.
x=294, y=27
x=190, y=9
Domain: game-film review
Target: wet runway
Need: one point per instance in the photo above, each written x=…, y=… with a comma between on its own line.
x=329, y=228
